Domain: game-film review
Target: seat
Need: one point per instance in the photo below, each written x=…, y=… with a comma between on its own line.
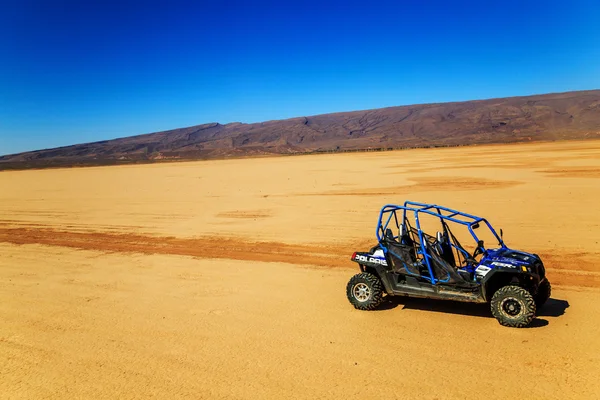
x=389, y=235
x=442, y=270
x=445, y=248
x=401, y=255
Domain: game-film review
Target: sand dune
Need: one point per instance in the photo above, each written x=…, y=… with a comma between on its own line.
x=226, y=279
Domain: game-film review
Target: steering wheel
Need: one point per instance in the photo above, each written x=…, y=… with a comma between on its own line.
x=479, y=250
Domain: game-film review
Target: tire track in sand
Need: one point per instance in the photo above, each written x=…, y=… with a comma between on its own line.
x=331, y=255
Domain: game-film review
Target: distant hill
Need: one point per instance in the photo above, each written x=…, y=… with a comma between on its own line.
x=572, y=115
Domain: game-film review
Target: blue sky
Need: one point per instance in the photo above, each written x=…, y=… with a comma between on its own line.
x=80, y=71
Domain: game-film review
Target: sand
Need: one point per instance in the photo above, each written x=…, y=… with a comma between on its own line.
x=226, y=279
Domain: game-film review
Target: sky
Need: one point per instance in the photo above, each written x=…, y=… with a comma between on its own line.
x=80, y=71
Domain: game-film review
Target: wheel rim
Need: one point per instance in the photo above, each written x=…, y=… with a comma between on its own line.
x=361, y=292
x=511, y=307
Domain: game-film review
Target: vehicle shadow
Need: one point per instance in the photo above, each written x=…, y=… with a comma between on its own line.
x=552, y=308
x=442, y=306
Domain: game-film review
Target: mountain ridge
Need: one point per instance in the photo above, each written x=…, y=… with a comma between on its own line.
x=555, y=116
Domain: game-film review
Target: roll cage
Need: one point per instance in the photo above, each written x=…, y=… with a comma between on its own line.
x=425, y=246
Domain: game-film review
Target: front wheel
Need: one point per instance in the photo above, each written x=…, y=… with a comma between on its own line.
x=543, y=294
x=364, y=291
x=513, y=306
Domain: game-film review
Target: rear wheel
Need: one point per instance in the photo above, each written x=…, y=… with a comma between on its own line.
x=364, y=291
x=543, y=294
x=513, y=306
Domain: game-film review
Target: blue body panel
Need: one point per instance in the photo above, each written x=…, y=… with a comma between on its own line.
x=516, y=258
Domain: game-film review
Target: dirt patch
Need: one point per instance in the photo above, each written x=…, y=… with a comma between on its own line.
x=451, y=183
x=573, y=172
x=247, y=214
x=424, y=184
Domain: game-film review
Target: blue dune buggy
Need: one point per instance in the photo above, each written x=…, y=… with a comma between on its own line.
x=409, y=262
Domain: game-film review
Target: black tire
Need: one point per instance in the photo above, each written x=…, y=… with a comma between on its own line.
x=513, y=306
x=364, y=291
x=543, y=294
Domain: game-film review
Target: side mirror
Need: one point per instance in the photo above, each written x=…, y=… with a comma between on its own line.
x=480, y=244
x=475, y=225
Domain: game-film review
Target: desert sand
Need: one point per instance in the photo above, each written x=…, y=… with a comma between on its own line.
x=226, y=279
